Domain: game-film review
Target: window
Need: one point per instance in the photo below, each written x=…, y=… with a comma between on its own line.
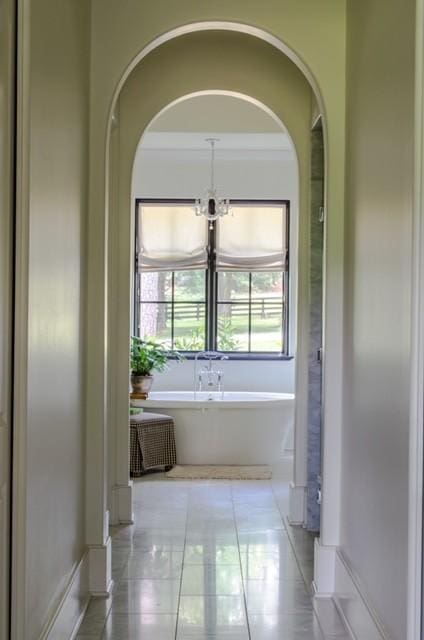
x=172, y=307
x=213, y=286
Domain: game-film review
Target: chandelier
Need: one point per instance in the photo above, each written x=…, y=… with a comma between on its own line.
x=211, y=206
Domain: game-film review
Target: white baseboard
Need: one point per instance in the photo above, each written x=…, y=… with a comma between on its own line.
x=67, y=617
x=100, y=569
x=324, y=570
x=353, y=605
x=122, y=511
x=297, y=502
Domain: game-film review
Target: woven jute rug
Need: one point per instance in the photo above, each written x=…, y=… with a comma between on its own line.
x=220, y=472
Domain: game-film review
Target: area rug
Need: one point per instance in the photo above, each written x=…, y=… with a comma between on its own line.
x=220, y=472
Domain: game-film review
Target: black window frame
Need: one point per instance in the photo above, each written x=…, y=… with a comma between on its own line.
x=211, y=282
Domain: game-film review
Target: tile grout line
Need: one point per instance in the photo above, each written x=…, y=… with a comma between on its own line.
x=183, y=558
x=190, y=494
x=240, y=563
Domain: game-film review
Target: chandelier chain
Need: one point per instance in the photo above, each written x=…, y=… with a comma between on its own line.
x=211, y=206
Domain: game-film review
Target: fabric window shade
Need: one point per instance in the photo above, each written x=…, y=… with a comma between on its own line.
x=171, y=238
x=252, y=238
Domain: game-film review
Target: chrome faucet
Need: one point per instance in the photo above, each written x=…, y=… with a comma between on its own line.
x=209, y=378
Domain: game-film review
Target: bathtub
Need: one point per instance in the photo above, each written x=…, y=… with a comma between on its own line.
x=240, y=427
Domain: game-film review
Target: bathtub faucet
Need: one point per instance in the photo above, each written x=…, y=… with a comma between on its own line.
x=210, y=378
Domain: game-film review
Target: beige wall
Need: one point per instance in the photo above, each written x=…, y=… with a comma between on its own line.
x=58, y=90
x=380, y=119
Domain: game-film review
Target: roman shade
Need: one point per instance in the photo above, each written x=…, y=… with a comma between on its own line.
x=252, y=238
x=171, y=238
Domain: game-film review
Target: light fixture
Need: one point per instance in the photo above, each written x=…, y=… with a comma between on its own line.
x=211, y=206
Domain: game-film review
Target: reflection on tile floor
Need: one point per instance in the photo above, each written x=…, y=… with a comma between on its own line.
x=211, y=560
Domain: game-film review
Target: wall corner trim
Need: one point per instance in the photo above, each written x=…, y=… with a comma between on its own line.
x=100, y=569
x=122, y=512
x=416, y=443
x=324, y=570
x=297, y=504
x=353, y=604
x=334, y=578
x=67, y=616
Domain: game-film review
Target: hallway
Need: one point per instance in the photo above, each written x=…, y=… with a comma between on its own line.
x=93, y=123
x=211, y=559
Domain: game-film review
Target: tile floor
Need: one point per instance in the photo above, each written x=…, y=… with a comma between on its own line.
x=211, y=560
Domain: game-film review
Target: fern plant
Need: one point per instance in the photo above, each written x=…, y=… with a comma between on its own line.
x=149, y=355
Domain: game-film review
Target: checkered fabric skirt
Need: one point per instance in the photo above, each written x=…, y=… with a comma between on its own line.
x=152, y=442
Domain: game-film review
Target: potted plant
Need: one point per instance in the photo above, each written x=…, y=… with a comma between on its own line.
x=147, y=356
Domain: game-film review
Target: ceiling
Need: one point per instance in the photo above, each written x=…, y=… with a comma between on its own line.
x=237, y=123
x=215, y=113
x=226, y=141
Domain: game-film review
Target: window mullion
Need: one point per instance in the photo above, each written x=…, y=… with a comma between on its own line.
x=212, y=290
x=249, y=335
x=137, y=310
x=172, y=308
x=284, y=328
x=137, y=278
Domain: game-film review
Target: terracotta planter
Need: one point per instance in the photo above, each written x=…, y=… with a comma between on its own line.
x=141, y=386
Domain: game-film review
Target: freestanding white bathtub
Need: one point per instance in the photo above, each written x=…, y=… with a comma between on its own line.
x=242, y=427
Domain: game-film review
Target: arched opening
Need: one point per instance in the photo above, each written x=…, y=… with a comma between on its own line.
x=257, y=163
x=288, y=97
x=266, y=83
x=246, y=313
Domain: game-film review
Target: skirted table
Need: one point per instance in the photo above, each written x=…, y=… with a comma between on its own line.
x=152, y=442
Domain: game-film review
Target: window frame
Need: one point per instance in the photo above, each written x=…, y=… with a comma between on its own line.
x=211, y=282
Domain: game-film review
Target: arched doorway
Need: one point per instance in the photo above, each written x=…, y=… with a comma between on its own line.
x=294, y=105
x=256, y=166
x=151, y=102
x=158, y=507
